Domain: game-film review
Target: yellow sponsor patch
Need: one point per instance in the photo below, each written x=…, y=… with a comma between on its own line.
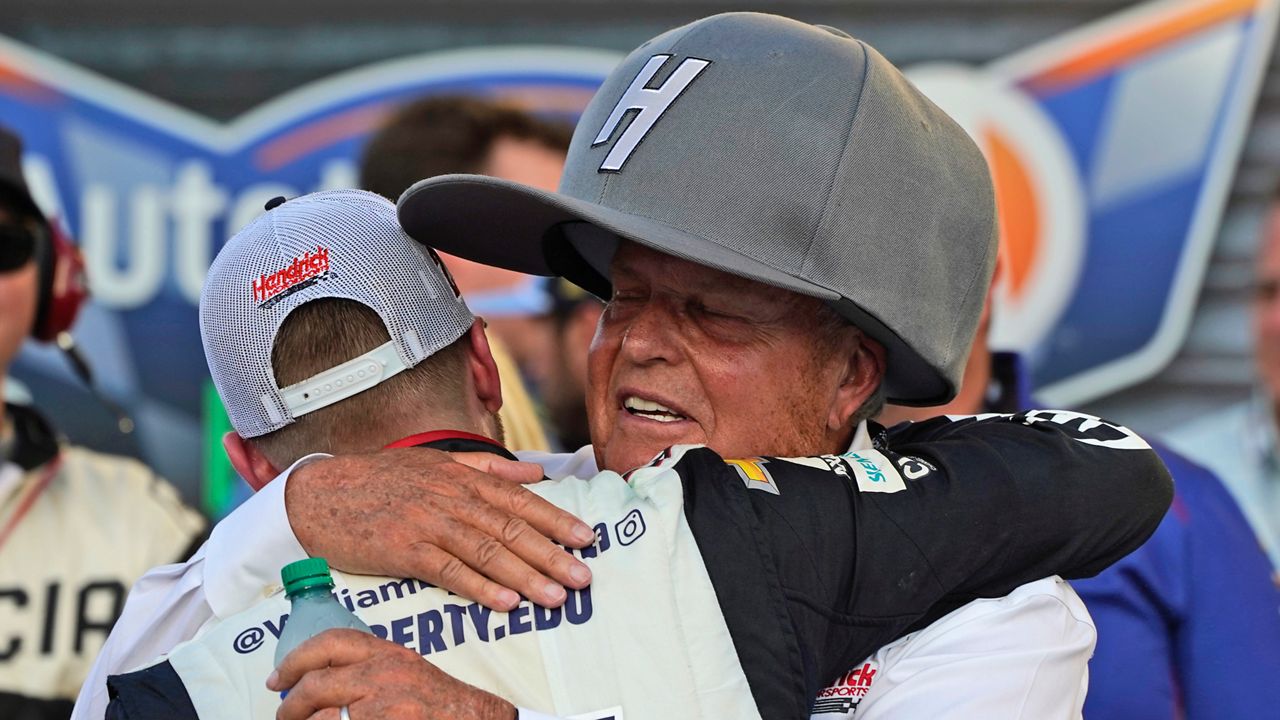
x=755, y=475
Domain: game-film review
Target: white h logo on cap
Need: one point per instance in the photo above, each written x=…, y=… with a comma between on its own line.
x=651, y=102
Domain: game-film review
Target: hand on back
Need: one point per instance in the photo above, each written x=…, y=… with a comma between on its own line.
x=464, y=522
x=374, y=678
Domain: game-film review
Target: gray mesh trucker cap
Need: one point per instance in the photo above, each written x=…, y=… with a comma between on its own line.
x=335, y=244
x=778, y=151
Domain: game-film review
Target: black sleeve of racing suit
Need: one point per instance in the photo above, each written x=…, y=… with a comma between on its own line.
x=151, y=693
x=21, y=707
x=816, y=576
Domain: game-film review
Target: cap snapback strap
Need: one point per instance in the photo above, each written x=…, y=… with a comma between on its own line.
x=342, y=381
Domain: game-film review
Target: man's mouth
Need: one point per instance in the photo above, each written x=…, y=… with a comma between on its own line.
x=651, y=410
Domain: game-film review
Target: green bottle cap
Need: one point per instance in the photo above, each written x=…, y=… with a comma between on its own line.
x=303, y=574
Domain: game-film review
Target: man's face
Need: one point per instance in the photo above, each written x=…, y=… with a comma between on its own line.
x=525, y=161
x=1266, y=307
x=17, y=305
x=687, y=354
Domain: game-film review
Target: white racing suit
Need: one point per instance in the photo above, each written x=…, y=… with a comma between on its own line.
x=736, y=588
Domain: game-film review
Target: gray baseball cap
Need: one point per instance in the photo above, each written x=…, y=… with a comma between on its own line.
x=778, y=151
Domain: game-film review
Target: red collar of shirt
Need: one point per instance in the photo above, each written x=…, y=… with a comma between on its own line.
x=437, y=436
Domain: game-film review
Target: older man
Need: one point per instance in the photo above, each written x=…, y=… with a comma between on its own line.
x=790, y=182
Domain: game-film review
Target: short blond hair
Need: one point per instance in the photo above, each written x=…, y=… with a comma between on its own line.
x=323, y=333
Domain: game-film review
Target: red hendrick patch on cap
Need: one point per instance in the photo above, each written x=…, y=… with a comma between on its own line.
x=309, y=265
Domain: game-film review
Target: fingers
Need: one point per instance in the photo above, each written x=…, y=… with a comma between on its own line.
x=319, y=692
x=375, y=679
x=544, y=517
x=449, y=572
x=331, y=648
x=480, y=552
x=418, y=513
x=325, y=714
x=515, y=549
x=500, y=467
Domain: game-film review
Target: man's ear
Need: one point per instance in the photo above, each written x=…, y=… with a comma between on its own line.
x=863, y=374
x=248, y=461
x=483, y=368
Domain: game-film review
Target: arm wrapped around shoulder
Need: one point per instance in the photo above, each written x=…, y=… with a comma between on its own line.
x=1066, y=494
x=817, y=561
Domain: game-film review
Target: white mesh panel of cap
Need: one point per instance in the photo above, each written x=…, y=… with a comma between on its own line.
x=370, y=261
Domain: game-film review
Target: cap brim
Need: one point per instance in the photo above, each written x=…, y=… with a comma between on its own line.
x=513, y=226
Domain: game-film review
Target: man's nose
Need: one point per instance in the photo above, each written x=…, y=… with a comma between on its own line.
x=650, y=337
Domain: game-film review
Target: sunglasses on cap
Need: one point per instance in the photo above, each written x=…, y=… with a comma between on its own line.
x=18, y=241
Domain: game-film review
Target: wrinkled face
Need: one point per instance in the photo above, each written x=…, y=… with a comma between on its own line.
x=17, y=306
x=687, y=354
x=1266, y=308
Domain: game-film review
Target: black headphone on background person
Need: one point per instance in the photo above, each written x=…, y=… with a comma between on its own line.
x=63, y=288
x=28, y=233
x=61, y=293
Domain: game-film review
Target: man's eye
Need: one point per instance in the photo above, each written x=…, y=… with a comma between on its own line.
x=717, y=313
x=622, y=296
x=1266, y=290
x=623, y=301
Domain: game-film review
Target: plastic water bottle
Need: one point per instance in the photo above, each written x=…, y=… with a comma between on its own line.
x=309, y=587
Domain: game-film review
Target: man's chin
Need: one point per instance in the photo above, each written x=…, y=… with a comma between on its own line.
x=621, y=457
x=622, y=462
x=634, y=442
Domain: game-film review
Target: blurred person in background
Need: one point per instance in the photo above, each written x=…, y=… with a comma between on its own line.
x=77, y=528
x=444, y=135
x=1189, y=623
x=1240, y=443
x=574, y=314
